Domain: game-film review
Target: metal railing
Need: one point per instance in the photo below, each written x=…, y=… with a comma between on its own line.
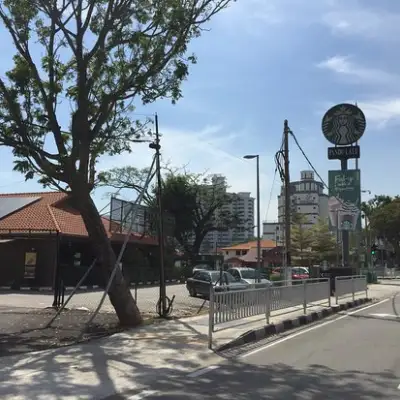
x=346, y=286
x=232, y=305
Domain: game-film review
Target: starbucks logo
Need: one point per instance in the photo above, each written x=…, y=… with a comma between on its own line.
x=343, y=124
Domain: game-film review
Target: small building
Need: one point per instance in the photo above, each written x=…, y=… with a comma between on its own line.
x=42, y=233
x=245, y=253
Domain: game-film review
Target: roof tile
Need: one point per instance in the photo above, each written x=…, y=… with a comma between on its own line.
x=52, y=213
x=265, y=244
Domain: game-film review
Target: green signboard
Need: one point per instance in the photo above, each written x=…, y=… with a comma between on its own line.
x=344, y=200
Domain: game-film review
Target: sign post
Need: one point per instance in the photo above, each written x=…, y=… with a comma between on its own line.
x=343, y=125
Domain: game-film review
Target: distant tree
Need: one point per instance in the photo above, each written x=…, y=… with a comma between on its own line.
x=385, y=222
x=301, y=240
x=196, y=203
x=100, y=55
x=323, y=242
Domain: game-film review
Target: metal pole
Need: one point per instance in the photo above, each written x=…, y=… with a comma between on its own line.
x=258, y=221
x=57, y=274
x=337, y=239
x=163, y=293
x=345, y=233
x=287, y=200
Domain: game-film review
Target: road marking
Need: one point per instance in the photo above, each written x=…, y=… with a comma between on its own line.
x=385, y=315
x=398, y=387
x=203, y=371
x=302, y=332
x=143, y=394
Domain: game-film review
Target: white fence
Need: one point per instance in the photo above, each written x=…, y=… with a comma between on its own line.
x=346, y=286
x=227, y=306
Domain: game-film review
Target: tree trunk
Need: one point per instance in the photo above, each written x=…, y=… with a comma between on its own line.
x=119, y=293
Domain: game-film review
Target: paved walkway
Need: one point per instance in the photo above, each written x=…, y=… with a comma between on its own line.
x=125, y=361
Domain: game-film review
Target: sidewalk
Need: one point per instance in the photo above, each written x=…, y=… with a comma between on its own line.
x=167, y=350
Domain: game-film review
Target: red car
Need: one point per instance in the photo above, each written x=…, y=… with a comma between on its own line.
x=300, y=273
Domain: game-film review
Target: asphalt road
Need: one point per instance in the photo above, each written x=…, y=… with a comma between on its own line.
x=356, y=356
x=147, y=298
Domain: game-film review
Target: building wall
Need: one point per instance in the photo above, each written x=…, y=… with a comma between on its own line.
x=273, y=231
x=240, y=203
x=307, y=198
x=12, y=264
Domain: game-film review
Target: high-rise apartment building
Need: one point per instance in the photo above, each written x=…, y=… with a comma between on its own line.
x=241, y=204
x=307, y=198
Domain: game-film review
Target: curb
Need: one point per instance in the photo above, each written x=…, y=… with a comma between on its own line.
x=274, y=329
x=89, y=287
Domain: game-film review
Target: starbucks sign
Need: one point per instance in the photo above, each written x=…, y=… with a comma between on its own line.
x=343, y=124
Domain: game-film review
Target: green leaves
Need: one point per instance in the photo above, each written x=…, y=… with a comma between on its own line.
x=95, y=59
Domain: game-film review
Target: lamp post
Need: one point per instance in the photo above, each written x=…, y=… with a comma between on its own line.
x=257, y=157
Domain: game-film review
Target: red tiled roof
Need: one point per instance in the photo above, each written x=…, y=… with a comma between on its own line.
x=52, y=213
x=265, y=244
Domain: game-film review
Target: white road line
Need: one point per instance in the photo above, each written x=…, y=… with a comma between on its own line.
x=385, y=315
x=203, y=371
x=302, y=332
x=143, y=394
x=398, y=387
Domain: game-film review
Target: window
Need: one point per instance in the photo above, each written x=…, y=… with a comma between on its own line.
x=238, y=252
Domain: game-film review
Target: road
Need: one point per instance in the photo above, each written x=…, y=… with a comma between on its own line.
x=147, y=298
x=355, y=356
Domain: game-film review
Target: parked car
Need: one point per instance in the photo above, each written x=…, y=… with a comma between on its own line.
x=300, y=273
x=249, y=276
x=199, y=283
x=201, y=267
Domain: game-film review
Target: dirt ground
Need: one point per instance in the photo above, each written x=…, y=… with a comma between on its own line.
x=25, y=329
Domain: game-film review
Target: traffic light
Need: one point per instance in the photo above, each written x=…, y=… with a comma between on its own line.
x=374, y=247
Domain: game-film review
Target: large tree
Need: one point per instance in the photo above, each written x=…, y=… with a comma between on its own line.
x=196, y=203
x=102, y=56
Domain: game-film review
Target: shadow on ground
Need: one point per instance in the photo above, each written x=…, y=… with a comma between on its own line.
x=152, y=359
x=277, y=382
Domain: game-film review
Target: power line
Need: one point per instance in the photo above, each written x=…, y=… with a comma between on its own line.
x=308, y=160
x=270, y=194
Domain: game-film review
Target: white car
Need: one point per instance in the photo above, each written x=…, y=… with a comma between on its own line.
x=248, y=275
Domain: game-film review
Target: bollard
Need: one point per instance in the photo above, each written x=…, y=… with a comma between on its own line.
x=352, y=288
x=268, y=305
x=211, y=317
x=336, y=291
x=329, y=294
x=136, y=288
x=305, y=297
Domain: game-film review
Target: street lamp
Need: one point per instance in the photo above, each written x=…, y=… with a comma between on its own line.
x=257, y=157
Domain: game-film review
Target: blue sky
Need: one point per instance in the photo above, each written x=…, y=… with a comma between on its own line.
x=261, y=62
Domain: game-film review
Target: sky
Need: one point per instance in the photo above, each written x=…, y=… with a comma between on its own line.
x=261, y=62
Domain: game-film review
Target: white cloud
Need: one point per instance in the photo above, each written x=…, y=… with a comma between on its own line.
x=378, y=113
x=381, y=112
x=204, y=151
x=344, y=67
x=355, y=19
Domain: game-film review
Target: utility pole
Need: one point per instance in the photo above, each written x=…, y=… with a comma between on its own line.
x=286, y=132
x=258, y=223
x=156, y=146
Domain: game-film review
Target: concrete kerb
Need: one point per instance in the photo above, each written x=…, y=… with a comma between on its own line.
x=146, y=284
x=274, y=329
